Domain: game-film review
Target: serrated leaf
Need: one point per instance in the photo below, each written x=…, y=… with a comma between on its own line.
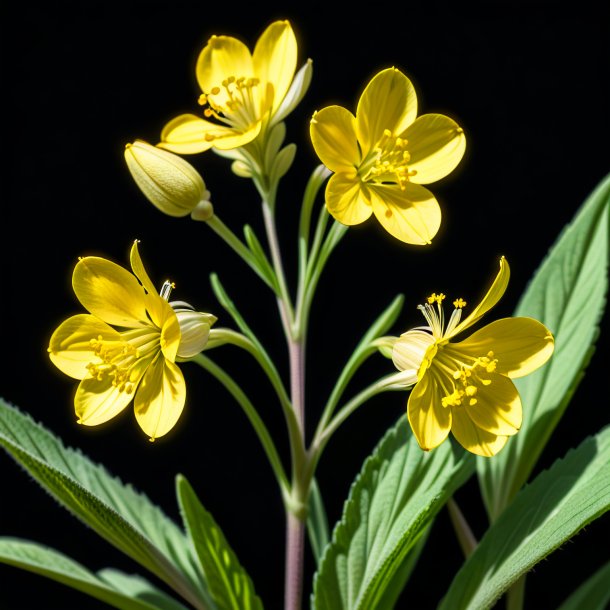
x=390, y=506
x=229, y=584
x=118, y=513
x=593, y=594
x=56, y=566
x=546, y=513
x=567, y=294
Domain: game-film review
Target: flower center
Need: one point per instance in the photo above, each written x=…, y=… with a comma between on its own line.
x=390, y=161
x=468, y=379
x=234, y=103
x=435, y=315
x=117, y=358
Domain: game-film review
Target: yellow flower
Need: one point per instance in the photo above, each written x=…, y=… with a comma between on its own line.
x=137, y=360
x=383, y=155
x=466, y=387
x=240, y=91
x=169, y=182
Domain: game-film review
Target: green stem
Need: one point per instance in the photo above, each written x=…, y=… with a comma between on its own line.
x=515, y=596
x=466, y=539
x=251, y=413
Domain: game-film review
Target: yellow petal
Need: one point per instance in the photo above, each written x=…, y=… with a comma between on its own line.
x=429, y=420
x=275, y=59
x=70, y=344
x=189, y=134
x=494, y=294
x=346, y=199
x=388, y=102
x=110, y=292
x=137, y=267
x=160, y=398
x=227, y=139
x=333, y=135
x=521, y=345
x=497, y=408
x=436, y=144
x=96, y=401
x=473, y=438
x=409, y=351
x=170, y=334
x=221, y=58
x=411, y=215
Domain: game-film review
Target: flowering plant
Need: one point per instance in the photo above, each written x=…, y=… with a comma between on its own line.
x=464, y=413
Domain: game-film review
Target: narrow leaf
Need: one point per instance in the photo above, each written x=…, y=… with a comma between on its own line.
x=546, y=513
x=593, y=594
x=124, y=517
x=567, y=294
x=317, y=523
x=390, y=506
x=56, y=566
x=259, y=254
x=229, y=584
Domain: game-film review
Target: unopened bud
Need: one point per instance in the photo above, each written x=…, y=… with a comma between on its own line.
x=194, y=328
x=169, y=182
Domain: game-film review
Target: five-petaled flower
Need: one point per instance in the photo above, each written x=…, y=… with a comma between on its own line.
x=382, y=156
x=467, y=387
x=241, y=91
x=136, y=360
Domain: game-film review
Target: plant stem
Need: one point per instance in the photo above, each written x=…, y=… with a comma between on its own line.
x=516, y=595
x=468, y=542
x=295, y=539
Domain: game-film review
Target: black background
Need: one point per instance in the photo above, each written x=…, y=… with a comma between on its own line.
x=529, y=85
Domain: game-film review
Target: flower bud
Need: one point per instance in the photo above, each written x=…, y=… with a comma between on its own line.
x=194, y=329
x=169, y=182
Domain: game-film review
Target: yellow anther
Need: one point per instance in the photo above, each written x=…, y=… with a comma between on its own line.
x=459, y=303
x=440, y=298
x=471, y=390
x=432, y=298
x=215, y=90
x=202, y=100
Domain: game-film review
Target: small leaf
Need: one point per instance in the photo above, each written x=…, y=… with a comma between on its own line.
x=317, y=523
x=568, y=295
x=546, y=513
x=119, y=514
x=593, y=594
x=229, y=584
x=390, y=506
x=56, y=566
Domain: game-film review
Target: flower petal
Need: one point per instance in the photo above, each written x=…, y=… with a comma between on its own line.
x=110, y=292
x=494, y=294
x=98, y=401
x=275, y=59
x=333, y=135
x=436, y=145
x=346, y=199
x=138, y=269
x=221, y=58
x=411, y=215
x=70, y=344
x=388, y=102
x=409, y=351
x=521, y=345
x=170, y=333
x=188, y=134
x=429, y=420
x=497, y=408
x=473, y=438
x=160, y=398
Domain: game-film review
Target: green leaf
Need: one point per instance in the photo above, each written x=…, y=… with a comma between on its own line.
x=136, y=587
x=229, y=584
x=259, y=254
x=390, y=506
x=56, y=566
x=568, y=295
x=593, y=594
x=546, y=513
x=317, y=523
x=118, y=513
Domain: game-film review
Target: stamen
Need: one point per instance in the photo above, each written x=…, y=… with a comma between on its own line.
x=459, y=303
x=166, y=289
